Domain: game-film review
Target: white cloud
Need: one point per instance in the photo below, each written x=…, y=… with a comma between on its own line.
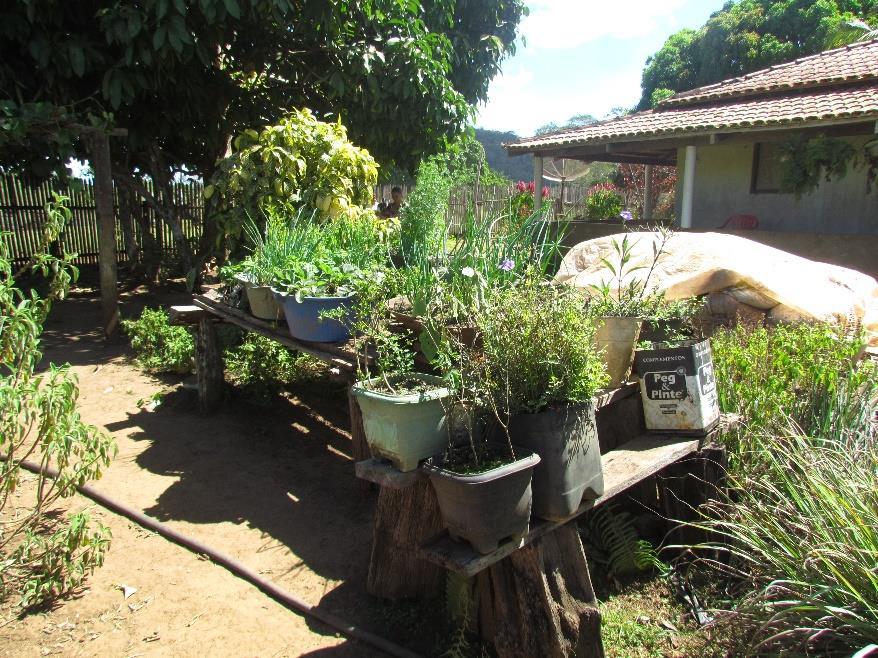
x=517, y=102
x=555, y=24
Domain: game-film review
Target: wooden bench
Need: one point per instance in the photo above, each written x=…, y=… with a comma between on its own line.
x=533, y=596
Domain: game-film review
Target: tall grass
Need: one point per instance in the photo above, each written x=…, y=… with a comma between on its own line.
x=797, y=533
x=802, y=539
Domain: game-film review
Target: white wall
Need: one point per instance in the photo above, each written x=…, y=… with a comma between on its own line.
x=722, y=189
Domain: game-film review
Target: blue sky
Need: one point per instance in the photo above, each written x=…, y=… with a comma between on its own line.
x=582, y=57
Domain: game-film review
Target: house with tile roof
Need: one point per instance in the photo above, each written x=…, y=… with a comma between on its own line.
x=725, y=141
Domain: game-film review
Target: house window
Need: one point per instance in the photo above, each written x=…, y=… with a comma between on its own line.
x=766, y=168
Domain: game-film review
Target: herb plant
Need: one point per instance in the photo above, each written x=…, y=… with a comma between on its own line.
x=159, y=346
x=626, y=294
x=40, y=557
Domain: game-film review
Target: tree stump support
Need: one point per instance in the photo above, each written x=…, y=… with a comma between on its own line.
x=539, y=601
x=208, y=366
x=405, y=519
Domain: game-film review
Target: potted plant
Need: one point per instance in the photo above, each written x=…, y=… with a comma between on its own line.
x=318, y=272
x=403, y=413
x=621, y=304
x=488, y=502
x=483, y=487
x=544, y=371
x=258, y=270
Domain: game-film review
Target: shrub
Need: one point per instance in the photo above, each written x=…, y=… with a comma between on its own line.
x=804, y=372
x=159, y=346
x=538, y=348
x=42, y=558
x=264, y=364
x=422, y=217
x=300, y=160
x=796, y=533
x=602, y=201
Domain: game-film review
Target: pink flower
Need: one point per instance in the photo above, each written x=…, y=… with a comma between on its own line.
x=521, y=186
x=545, y=191
x=531, y=187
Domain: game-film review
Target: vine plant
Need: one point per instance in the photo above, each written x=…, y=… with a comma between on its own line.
x=41, y=558
x=805, y=161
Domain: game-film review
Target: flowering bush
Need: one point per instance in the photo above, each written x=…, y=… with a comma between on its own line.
x=603, y=201
x=522, y=201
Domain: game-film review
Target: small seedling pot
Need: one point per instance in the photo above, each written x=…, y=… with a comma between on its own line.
x=569, y=471
x=403, y=428
x=260, y=299
x=304, y=317
x=616, y=338
x=485, y=509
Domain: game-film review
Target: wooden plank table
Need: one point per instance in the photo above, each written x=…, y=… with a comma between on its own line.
x=534, y=595
x=207, y=309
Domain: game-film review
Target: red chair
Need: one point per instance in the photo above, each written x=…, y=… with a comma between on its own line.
x=741, y=223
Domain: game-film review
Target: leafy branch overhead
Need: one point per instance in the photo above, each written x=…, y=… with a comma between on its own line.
x=185, y=76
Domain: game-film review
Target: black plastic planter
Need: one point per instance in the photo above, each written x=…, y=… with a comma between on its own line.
x=485, y=509
x=569, y=471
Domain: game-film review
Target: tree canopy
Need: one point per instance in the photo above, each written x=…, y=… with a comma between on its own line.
x=745, y=36
x=186, y=76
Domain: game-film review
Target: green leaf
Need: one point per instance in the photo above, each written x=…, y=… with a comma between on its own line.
x=77, y=60
x=158, y=39
x=233, y=8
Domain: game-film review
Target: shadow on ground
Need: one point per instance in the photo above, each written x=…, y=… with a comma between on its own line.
x=281, y=467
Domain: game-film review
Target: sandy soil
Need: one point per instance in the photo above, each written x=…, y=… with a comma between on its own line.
x=271, y=484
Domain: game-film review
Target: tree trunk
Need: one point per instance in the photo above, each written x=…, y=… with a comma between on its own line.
x=405, y=519
x=539, y=601
x=132, y=249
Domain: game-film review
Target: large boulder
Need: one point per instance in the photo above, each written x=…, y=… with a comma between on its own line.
x=784, y=286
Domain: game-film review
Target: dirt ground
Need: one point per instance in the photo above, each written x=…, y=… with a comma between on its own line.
x=271, y=484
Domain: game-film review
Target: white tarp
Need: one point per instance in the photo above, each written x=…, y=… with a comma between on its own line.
x=787, y=287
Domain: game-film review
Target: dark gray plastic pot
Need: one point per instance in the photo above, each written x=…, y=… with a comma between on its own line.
x=487, y=508
x=569, y=471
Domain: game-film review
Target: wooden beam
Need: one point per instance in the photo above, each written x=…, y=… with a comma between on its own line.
x=99, y=143
x=627, y=465
x=538, y=182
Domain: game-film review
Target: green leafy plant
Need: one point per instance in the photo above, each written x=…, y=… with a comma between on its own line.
x=159, y=346
x=805, y=161
x=422, y=218
x=301, y=161
x=798, y=541
x=807, y=372
x=42, y=557
x=795, y=539
x=298, y=256
x=627, y=295
x=534, y=350
x=263, y=365
x=603, y=201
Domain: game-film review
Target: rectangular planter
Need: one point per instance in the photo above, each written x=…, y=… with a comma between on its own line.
x=569, y=471
x=404, y=428
x=488, y=508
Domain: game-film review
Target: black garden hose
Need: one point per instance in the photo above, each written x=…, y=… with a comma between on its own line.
x=240, y=570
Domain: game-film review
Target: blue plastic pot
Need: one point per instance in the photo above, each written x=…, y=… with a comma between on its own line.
x=305, y=323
